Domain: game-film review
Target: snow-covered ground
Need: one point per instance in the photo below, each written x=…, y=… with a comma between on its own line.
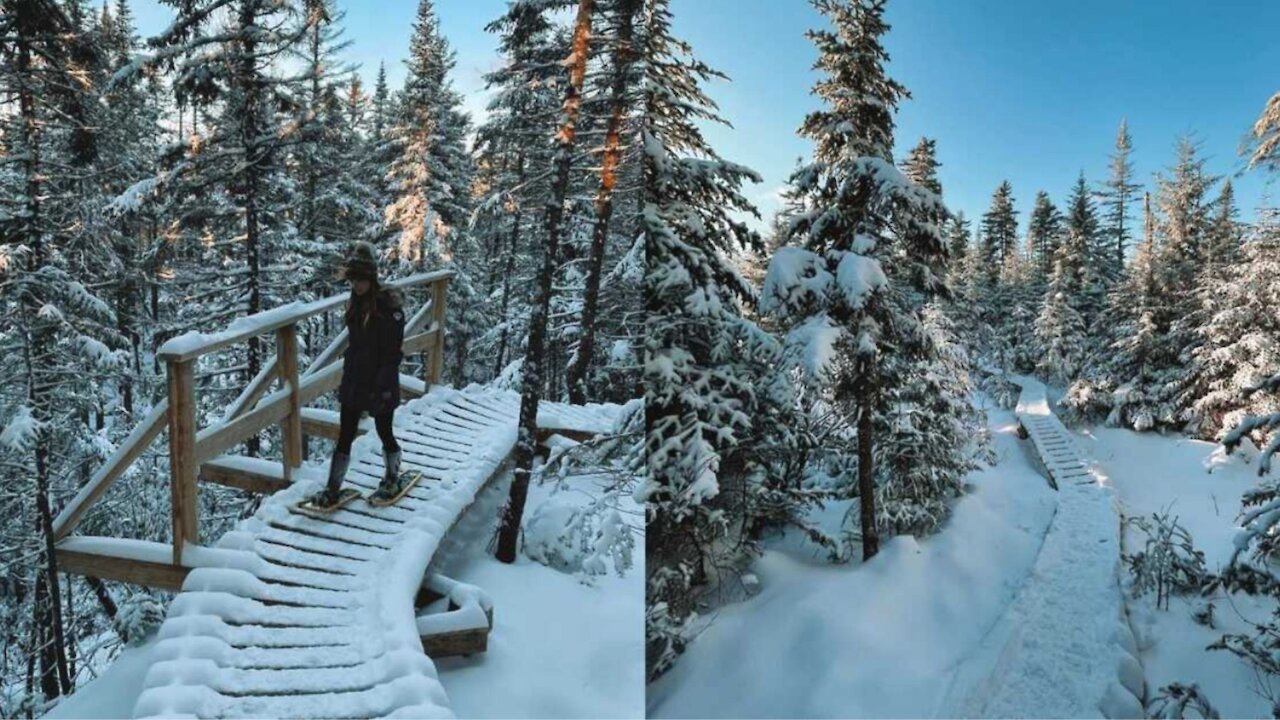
x=1154, y=473
x=559, y=647
x=891, y=638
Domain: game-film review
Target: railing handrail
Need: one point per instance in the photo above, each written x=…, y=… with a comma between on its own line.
x=193, y=344
x=190, y=445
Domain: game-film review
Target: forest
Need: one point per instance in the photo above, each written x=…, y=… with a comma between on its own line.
x=880, y=345
x=1018, y=457
x=151, y=186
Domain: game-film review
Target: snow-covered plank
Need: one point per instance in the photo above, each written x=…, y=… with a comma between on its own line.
x=246, y=473
x=230, y=650
x=194, y=344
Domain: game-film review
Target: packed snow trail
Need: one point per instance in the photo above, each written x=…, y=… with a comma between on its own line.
x=1064, y=647
x=293, y=616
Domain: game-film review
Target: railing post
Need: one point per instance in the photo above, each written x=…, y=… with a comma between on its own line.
x=291, y=428
x=182, y=455
x=439, y=292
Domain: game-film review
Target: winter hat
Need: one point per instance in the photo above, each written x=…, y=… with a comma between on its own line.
x=360, y=262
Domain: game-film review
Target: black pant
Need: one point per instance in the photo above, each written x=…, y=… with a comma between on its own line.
x=349, y=418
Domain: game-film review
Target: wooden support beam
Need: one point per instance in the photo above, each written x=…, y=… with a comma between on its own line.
x=456, y=642
x=213, y=441
x=182, y=455
x=439, y=293
x=253, y=391
x=291, y=428
x=335, y=348
x=135, y=572
x=423, y=342
x=128, y=561
x=251, y=474
x=324, y=423
x=106, y=475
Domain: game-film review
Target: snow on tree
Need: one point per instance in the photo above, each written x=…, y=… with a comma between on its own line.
x=535, y=360
x=1044, y=233
x=999, y=231
x=1117, y=195
x=869, y=247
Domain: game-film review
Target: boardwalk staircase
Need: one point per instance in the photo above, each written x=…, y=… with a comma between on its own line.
x=291, y=615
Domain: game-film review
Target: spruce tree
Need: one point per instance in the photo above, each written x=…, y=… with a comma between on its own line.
x=1044, y=233
x=1000, y=229
x=869, y=249
x=1119, y=191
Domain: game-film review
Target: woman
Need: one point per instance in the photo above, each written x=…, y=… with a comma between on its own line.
x=370, y=372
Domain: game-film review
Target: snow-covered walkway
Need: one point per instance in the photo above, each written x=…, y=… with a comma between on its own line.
x=1013, y=609
x=1064, y=647
x=293, y=616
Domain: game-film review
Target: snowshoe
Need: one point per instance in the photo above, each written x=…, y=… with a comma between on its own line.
x=325, y=503
x=389, y=493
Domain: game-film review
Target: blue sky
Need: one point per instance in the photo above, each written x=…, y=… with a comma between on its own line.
x=1026, y=91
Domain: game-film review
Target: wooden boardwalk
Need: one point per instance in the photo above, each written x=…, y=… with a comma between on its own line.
x=1053, y=443
x=295, y=616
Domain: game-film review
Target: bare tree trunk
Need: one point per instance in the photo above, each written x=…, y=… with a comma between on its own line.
x=866, y=466
x=249, y=139
x=531, y=390
x=576, y=378
x=508, y=270
x=55, y=678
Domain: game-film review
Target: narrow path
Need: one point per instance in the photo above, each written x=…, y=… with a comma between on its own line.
x=1063, y=648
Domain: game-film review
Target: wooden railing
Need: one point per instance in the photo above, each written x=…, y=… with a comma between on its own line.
x=251, y=412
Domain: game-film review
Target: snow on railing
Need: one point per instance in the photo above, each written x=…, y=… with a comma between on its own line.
x=250, y=412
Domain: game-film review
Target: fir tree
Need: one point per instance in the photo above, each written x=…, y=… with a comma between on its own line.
x=1000, y=229
x=870, y=249
x=1044, y=233
x=1119, y=191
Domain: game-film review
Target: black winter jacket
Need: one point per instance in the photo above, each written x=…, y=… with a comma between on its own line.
x=371, y=363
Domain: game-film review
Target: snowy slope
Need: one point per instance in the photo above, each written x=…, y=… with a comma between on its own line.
x=885, y=639
x=1156, y=473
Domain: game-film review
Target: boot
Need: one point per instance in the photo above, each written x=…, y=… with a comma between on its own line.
x=391, y=474
x=337, y=472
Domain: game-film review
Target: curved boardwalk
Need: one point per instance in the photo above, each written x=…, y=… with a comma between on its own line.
x=1063, y=648
x=294, y=616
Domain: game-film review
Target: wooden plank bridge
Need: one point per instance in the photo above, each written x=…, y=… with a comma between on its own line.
x=291, y=615
x=1055, y=448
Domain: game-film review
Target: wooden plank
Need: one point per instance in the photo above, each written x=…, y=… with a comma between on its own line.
x=213, y=441
x=137, y=441
x=317, y=424
x=419, y=318
x=439, y=293
x=422, y=342
x=182, y=455
x=276, y=318
x=457, y=642
x=336, y=345
x=253, y=391
x=242, y=478
x=121, y=569
x=291, y=428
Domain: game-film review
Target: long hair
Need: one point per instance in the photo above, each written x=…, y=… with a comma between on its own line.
x=357, y=305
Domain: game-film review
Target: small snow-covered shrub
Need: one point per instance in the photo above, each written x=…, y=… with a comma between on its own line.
x=1175, y=699
x=582, y=527
x=1003, y=392
x=573, y=537
x=138, y=618
x=1168, y=562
